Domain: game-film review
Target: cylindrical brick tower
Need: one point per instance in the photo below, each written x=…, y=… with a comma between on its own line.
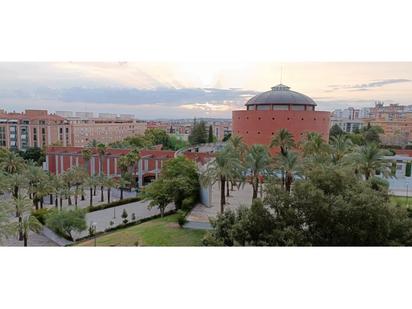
x=270, y=111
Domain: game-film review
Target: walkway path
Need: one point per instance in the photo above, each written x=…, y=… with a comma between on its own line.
x=103, y=217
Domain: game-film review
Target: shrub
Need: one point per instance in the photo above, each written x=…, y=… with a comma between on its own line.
x=41, y=214
x=181, y=219
x=189, y=202
x=124, y=216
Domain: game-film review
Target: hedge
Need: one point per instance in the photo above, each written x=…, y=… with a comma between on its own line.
x=113, y=204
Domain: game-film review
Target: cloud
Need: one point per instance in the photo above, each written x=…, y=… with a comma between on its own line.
x=368, y=86
x=132, y=96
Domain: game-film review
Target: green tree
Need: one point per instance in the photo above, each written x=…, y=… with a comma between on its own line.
x=290, y=165
x=27, y=224
x=11, y=162
x=284, y=140
x=122, y=184
x=180, y=175
x=159, y=195
x=67, y=222
x=199, y=134
x=256, y=164
x=335, y=131
x=34, y=154
x=368, y=159
x=87, y=154
x=210, y=138
x=225, y=167
x=340, y=146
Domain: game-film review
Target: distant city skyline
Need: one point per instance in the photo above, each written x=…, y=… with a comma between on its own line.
x=153, y=90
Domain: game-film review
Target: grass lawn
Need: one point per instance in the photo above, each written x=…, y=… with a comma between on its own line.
x=401, y=200
x=157, y=232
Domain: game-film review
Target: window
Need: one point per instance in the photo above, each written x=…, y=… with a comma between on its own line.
x=298, y=107
x=263, y=107
x=280, y=107
x=251, y=108
x=35, y=141
x=43, y=136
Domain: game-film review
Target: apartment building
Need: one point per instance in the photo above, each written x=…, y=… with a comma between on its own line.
x=33, y=128
x=104, y=130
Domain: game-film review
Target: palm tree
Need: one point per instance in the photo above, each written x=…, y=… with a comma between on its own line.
x=238, y=146
x=369, y=159
x=284, y=140
x=122, y=184
x=37, y=178
x=223, y=168
x=256, y=163
x=11, y=162
x=133, y=157
x=27, y=224
x=101, y=180
x=341, y=146
x=101, y=150
x=290, y=165
x=314, y=145
x=6, y=227
x=87, y=154
x=110, y=183
x=91, y=183
x=14, y=182
x=124, y=164
x=22, y=205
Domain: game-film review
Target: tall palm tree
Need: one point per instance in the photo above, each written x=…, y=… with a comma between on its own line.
x=102, y=182
x=369, y=159
x=284, y=140
x=11, y=162
x=122, y=184
x=133, y=157
x=7, y=228
x=238, y=146
x=101, y=150
x=223, y=168
x=110, y=183
x=256, y=163
x=91, y=183
x=22, y=205
x=124, y=164
x=340, y=146
x=290, y=165
x=87, y=154
x=27, y=224
x=37, y=179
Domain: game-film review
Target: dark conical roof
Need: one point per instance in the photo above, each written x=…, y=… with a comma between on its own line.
x=281, y=94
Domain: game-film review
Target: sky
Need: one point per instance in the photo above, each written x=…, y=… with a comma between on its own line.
x=164, y=90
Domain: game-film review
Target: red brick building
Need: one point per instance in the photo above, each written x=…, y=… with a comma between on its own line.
x=60, y=159
x=279, y=108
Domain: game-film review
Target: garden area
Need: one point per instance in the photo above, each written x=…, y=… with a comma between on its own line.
x=158, y=232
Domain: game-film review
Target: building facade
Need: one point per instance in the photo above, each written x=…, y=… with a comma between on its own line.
x=33, y=128
x=104, y=130
x=279, y=108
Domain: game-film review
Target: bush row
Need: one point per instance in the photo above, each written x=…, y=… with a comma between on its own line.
x=114, y=204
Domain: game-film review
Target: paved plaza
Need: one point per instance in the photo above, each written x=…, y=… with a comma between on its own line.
x=238, y=197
